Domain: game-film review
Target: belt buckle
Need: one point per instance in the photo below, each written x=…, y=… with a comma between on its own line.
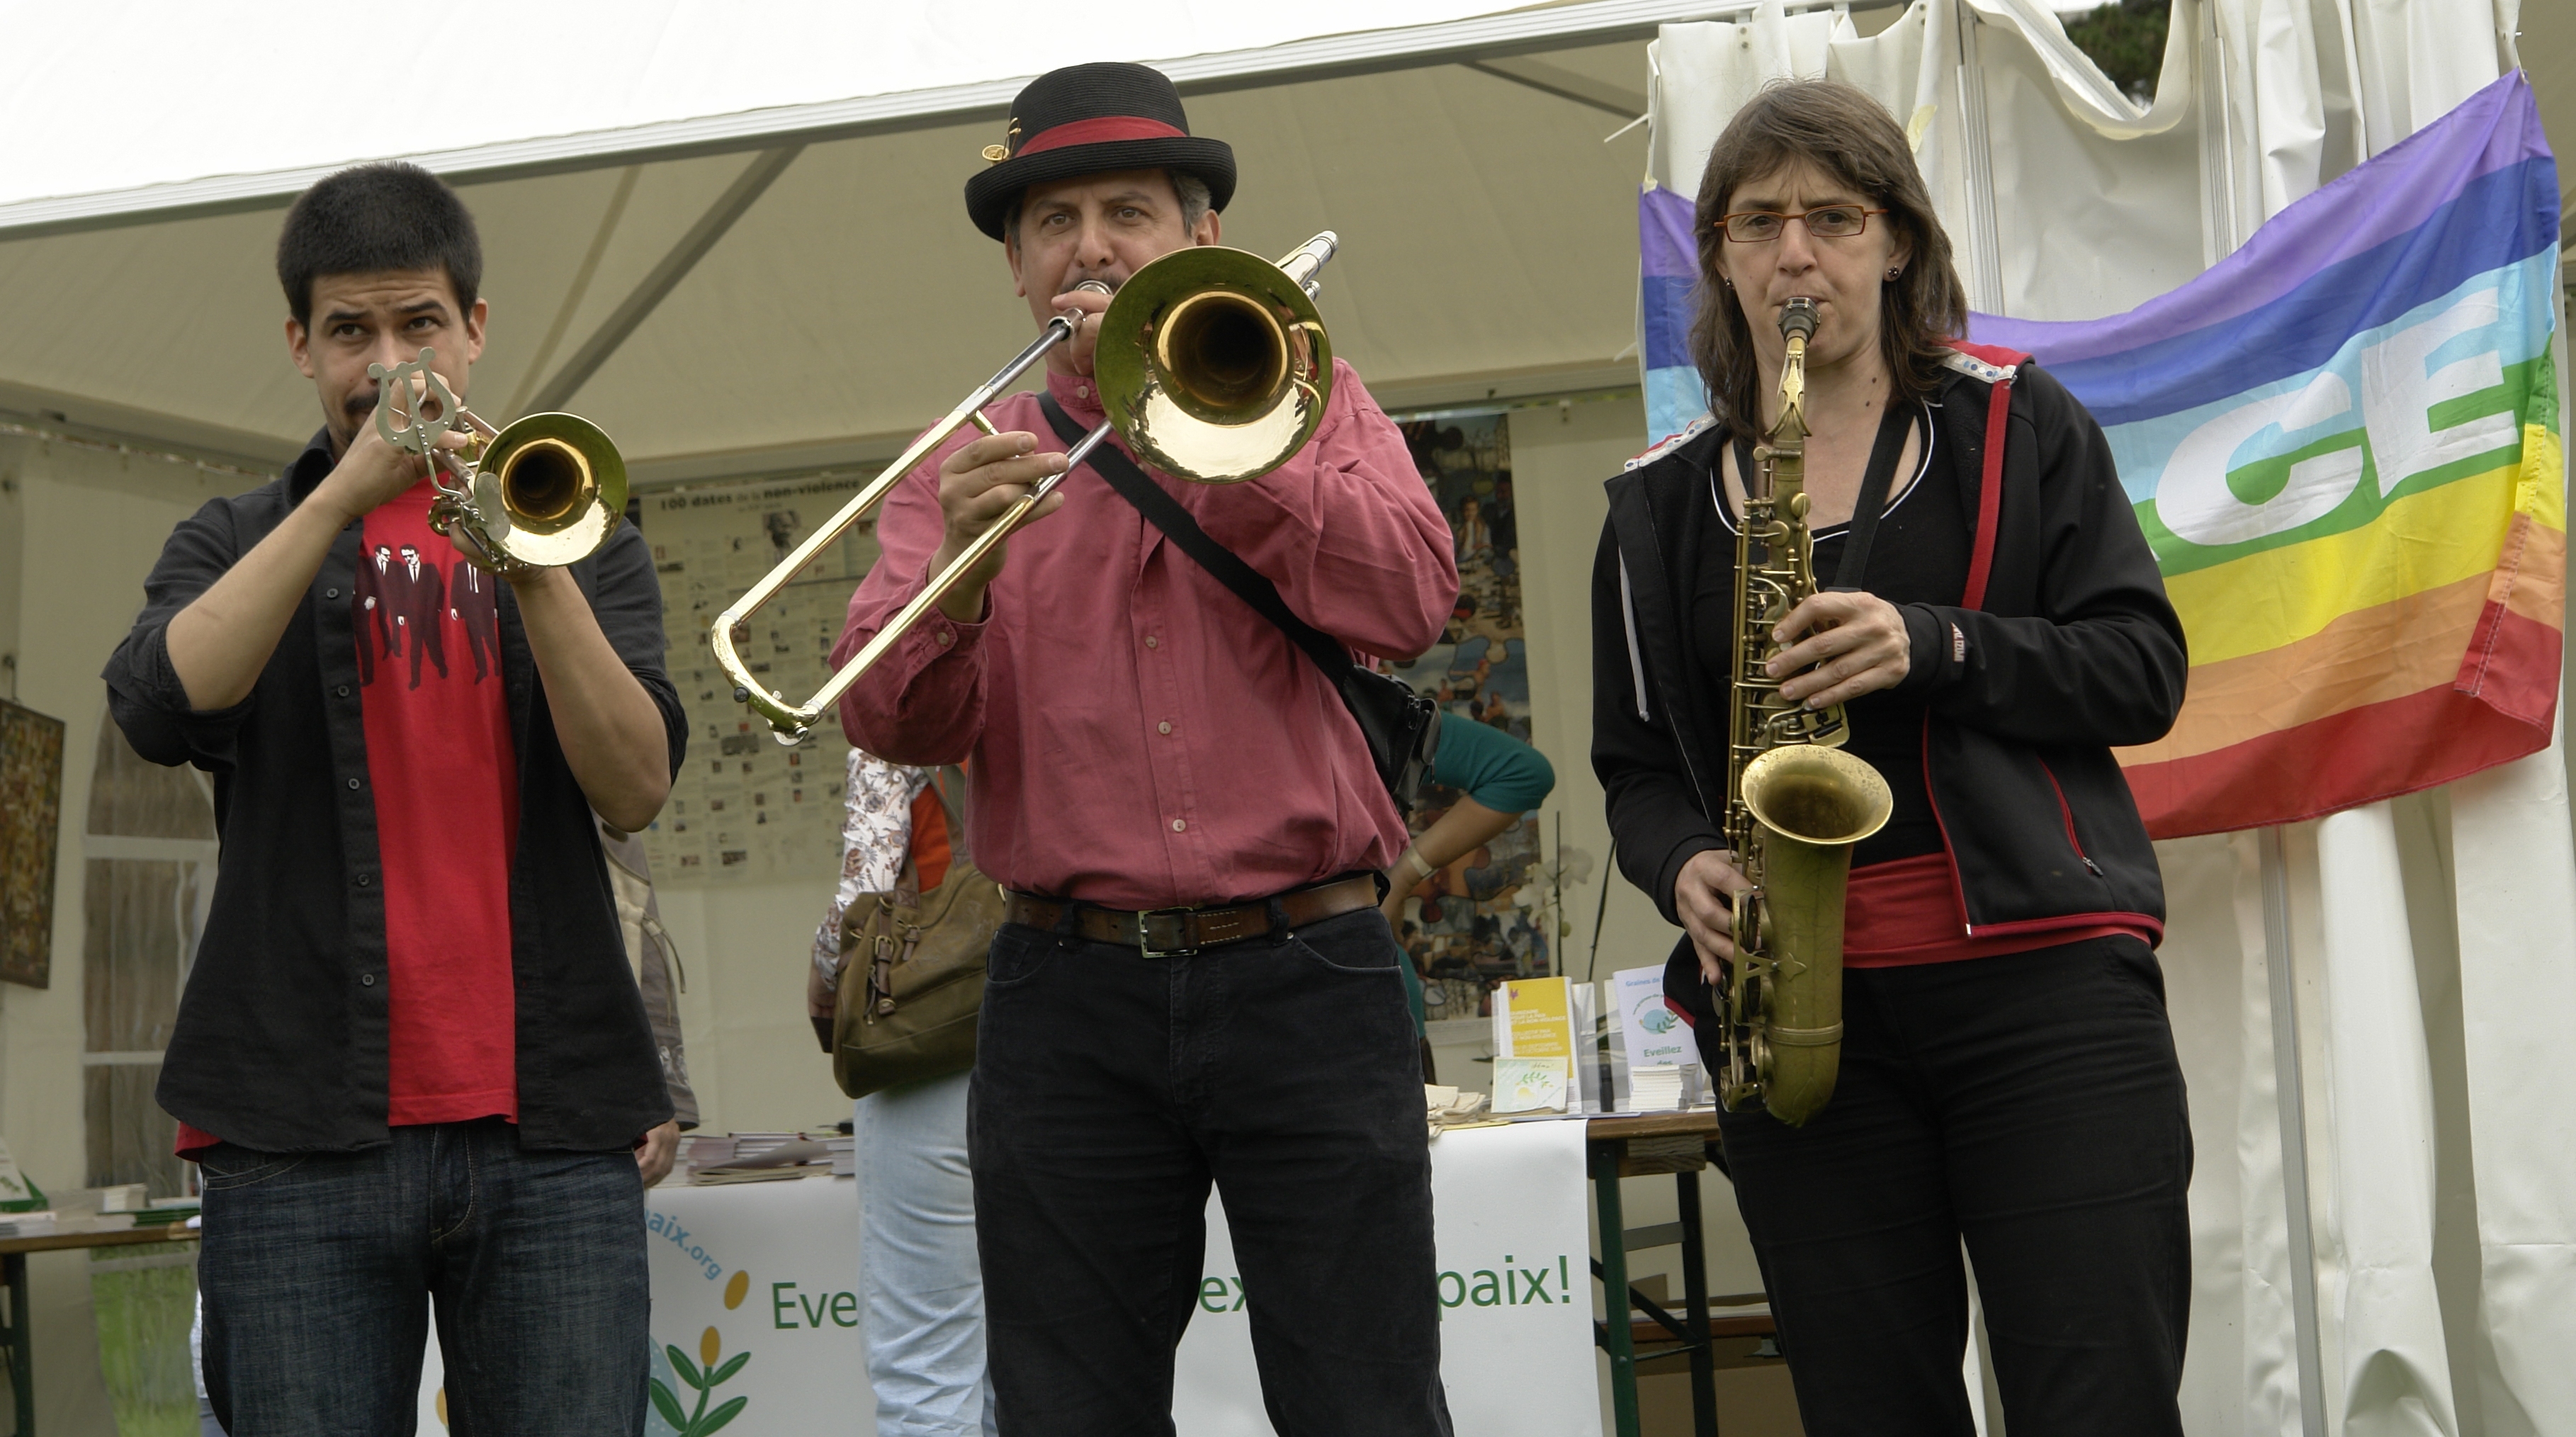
x=1145, y=933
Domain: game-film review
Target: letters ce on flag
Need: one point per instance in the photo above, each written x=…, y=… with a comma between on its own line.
x=2343, y=443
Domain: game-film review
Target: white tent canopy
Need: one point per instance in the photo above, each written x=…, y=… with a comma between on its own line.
x=741, y=246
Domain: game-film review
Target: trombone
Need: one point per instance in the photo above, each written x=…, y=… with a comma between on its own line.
x=1212, y=364
x=544, y=491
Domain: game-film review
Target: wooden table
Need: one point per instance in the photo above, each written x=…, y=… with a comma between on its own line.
x=14, y=1328
x=1638, y=1145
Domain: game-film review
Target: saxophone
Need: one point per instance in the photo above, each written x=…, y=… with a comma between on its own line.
x=1795, y=802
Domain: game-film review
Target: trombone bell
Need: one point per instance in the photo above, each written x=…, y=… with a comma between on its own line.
x=1213, y=363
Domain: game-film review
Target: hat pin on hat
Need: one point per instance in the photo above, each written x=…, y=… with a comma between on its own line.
x=995, y=154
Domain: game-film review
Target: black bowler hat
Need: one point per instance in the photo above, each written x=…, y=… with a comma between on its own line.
x=1088, y=120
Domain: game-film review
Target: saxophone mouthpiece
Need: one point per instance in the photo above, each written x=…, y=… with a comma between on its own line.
x=1798, y=317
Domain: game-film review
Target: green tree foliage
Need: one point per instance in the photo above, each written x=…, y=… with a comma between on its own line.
x=2127, y=39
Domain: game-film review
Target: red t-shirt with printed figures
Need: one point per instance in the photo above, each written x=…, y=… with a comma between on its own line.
x=444, y=771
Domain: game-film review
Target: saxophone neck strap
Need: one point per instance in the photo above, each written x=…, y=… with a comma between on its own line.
x=1895, y=423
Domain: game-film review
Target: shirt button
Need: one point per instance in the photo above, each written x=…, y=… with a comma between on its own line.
x=342, y=691
x=330, y=593
x=946, y=638
x=1153, y=643
x=353, y=785
x=1164, y=727
x=1180, y=825
x=366, y=980
x=364, y=880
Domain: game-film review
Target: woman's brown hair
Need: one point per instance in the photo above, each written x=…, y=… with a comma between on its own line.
x=1844, y=132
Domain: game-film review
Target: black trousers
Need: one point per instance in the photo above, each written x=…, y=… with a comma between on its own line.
x=2032, y=1105
x=1110, y=1089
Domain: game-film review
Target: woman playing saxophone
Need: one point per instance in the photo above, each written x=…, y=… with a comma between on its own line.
x=1985, y=613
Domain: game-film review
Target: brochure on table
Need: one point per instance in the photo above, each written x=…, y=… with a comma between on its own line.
x=1653, y=1060
x=1546, y=1047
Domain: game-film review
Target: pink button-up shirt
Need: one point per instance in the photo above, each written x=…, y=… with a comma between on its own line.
x=1140, y=738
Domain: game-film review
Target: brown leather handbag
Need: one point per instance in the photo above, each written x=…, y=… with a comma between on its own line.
x=912, y=968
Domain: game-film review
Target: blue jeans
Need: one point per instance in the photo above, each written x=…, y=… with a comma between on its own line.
x=917, y=1256
x=319, y=1270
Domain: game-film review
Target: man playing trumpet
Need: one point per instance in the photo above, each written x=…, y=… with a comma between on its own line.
x=411, y=1061
x=1143, y=741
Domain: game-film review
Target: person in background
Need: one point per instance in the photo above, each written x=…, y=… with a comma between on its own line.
x=925, y=1294
x=1498, y=779
x=1193, y=984
x=411, y=1061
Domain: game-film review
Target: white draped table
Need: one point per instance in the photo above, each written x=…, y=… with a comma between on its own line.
x=757, y=1286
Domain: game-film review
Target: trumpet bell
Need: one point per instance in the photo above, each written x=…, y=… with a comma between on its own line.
x=1213, y=364
x=549, y=489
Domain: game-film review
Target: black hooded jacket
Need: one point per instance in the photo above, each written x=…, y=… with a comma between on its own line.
x=2063, y=646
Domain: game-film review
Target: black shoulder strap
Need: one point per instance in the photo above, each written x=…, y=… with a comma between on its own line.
x=1165, y=513
x=1875, y=482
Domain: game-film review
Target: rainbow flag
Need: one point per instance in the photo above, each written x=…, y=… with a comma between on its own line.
x=2343, y=444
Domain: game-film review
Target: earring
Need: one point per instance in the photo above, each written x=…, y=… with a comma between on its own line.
x=1892, y=274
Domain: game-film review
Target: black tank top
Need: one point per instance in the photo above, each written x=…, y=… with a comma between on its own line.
x=1919, y=556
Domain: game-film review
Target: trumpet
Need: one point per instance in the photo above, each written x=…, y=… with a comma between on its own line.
x=1212, y=365
x=545, y=491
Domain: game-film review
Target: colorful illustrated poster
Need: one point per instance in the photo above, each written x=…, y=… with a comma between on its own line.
x=745, y=808
x=1482, y=918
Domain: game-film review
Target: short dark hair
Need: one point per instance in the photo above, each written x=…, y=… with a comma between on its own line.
x=372, y=218
x=1842, y=130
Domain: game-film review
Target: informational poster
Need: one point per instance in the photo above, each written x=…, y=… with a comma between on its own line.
x=746, y=808
x=1482, y=918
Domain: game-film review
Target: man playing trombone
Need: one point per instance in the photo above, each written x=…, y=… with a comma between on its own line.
x=1144, y=743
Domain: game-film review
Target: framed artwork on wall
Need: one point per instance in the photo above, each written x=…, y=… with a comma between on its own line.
x=31, y=804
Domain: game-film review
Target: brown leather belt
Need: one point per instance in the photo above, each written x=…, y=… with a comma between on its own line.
x=1179, y=932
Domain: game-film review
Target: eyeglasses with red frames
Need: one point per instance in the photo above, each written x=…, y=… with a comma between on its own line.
x=1824, y=222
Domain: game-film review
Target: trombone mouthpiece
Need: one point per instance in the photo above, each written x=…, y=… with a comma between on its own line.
x=1798, y=317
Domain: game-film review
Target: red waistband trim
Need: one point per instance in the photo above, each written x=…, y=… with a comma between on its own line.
x=1907, y=912
x=1096, y=132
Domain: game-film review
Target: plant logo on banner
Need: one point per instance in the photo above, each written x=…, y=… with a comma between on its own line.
x=682, y=1390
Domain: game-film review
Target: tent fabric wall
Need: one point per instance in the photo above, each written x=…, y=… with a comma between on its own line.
x=2412, y=937
x=852, y=302
x=492, y=71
